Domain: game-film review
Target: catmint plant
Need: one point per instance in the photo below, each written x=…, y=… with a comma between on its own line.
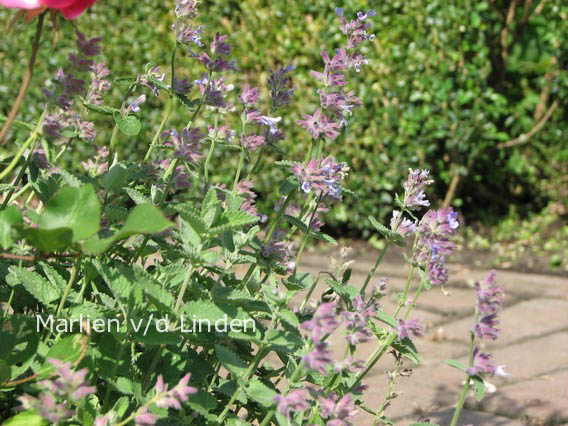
x=162, y=295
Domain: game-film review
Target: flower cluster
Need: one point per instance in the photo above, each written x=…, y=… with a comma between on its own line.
x=69, y=84
x=337, y=411
x=323, y=177
x=186, y=145
x=414, y=196
x=55, y=403
x=434, y=245
x=296, y=401
x=489, y=304
x=164, y=398
x=324, y=322
x=409, y=329
x=281, y=89
x=336, y=102
x=357, y=321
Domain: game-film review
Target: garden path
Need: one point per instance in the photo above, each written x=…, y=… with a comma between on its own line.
x=533, y=345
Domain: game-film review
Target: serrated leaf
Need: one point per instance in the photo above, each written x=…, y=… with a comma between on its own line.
x=137, y=196
x=296, y=222
x=202, y=402
x=41, y=289
x=324, y=237
x=233, y=220
x=231, y=361
x=386, y=318
x=391, y=236
x=259, y=392
x=116, y=177
x=129, y=125
x=76, y=208
x=289, y=185
x=284, y=163
x=186, y=102
x=9, y=218
x=101, y=109
x=406, y=348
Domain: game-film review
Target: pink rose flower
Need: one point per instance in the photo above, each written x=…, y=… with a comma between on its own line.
x=69, y=8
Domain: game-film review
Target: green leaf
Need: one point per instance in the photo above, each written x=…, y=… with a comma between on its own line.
x=407, y=349
x=76, y=208
x=116, y=177
x=259, y=392
x=101, y=109
x=233, y=220
x=5, y=371
x=324, y=237
x=387, y=233
x=49, y=240
x=296, y=222
x=26, y=418
x=289, y=185
x=231, y=361
x=137, y=196
x=41, y=289
x=479, y=387
x=456, y=364
x=8, y=219
x=143, y=219
x=129, y=125
x=386, y=318
x=68, y=349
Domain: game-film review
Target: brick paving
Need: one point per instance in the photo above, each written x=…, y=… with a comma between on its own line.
x=533, y=345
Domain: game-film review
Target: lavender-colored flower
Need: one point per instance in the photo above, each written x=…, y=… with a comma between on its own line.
x=411, y=329
x=356, y=30
x=279, y=250
x=144, y=418
x=357, y=321
x=182, y=87
x=414, y=197
x=322, y=176
x=214, y=92
x=249, y=95
x=186, y=9
x=173, y=398
x=187, y=33
x=319, y=359
x=482, y=363
x=270, y=122
x=181, y=179
x=99, y=84
x=38, y=158
x=324, y=321
x=87, y=130
x=134, y=106
x=219, y=45
x=489, y=303
x=88, y=46
x=280, y=86
x=244, y=189
x=379, y=289
x=187, y=145
x=214, y=64
x=348, y=365
x=47, y=407
x=153, y=73
x=339, y=103
x=295, y=401
x=319, y=124
x=337, y=412
x=102, y=421
x=252, y=142
x=401, y=225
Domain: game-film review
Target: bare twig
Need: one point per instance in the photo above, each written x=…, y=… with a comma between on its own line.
x=525, y=137
x=506, y=30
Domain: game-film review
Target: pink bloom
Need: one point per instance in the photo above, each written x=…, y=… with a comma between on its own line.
x=69, y=8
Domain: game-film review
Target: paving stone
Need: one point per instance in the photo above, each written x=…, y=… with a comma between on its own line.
x=457, y=301
x=535, y=317
x=543, y=400
x=531, y=358
x=467, y=417
x=536, y=285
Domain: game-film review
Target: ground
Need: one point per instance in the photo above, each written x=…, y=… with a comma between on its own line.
x=533, y=345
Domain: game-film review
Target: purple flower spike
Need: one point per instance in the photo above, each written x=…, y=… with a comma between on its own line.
x=319, y=124
x=324, y=321
x=337, y=412
x=489, y=304
x=319, y=359
x=249, y=95
x=414, y=197
x=145, y=418
x=173, y=398
x=482, y=363
x=411, y=329
x=294, y=402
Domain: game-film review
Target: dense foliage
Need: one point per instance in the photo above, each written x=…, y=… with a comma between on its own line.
x=152, y=288
x=452, y=81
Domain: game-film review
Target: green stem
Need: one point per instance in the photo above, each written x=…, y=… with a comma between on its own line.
x=183, y=289
x=239, y=168
x=112, y=144
x=167, y=112
x=255, y=166
x=72, y=278
x=466, y=385
x=310, y=291
x=31, y=139
x=17, y=181
x=208, y=160
x=374, y=268
x=307, y=234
